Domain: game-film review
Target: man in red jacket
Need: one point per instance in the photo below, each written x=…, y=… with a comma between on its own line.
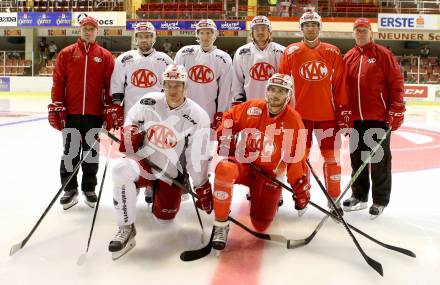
x=375, y=86
x=81, y=84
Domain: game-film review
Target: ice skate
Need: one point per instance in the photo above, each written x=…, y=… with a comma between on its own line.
x=123, y=241
x=90, y=198
x=221, y=230
x=338, y=207
x=376, y=210
x=148, y=195
x=353, y=204
x=69, y=199
x=302, y=212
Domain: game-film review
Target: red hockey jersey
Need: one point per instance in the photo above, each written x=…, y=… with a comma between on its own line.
x=270, y=142
x=319, y=79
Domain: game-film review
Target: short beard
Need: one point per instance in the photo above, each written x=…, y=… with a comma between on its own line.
x=145, y=50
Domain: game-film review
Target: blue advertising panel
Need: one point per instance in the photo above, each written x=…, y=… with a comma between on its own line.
x=44, y=19
x=5, y=84
x=231, y=25
x=190, y=25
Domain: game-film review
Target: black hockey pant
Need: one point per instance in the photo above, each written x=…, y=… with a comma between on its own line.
x=380, y=165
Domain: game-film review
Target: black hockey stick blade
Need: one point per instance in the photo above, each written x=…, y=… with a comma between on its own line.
x=277, y=238
x=301, y=242
x=374, y=264
x=295, y=243
x=388, y=246
x=191, y=255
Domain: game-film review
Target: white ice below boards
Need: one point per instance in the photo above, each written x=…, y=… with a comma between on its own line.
x=30, y=151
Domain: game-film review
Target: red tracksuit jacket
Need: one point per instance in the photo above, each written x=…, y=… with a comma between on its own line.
x=81, y=79
x=375, y=82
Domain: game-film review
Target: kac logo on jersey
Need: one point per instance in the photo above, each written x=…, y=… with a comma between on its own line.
x=254, y=111
x=261, y=71
x=161, y=136
x=143, y=78
x=201, y=74
x=313, y=70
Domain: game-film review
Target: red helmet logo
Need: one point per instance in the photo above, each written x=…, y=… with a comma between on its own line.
x=261, y=71
x=313, y=70
x=201, y=74
x=161, y=136
x=143, y=78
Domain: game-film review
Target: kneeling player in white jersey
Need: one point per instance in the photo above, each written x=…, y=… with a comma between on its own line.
x=255, y=62
x=170, y=131
x=209, y=71
x=136, y=73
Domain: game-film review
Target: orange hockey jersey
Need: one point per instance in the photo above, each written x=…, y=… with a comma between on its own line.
x=270, y=142
x=319, y=79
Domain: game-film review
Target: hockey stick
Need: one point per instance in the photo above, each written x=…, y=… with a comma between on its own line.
x=191, y=255
x=188, y=187
x=82, y=258
x=21, y=244
x=196, y=254
x=174, y=181
x=305, y=241
x=373, y=263
x=390, y=247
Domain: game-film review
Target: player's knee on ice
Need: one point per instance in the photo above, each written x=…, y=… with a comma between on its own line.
x=124, y=171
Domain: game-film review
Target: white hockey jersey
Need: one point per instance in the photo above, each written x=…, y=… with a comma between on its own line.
x=135, y=75
x=176, y=140
x=252, y=68
x=209, y=77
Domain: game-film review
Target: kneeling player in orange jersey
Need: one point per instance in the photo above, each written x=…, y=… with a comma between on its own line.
x=270, y=131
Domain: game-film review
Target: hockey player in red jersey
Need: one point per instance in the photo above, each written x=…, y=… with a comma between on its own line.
x=321, y=97
x=271, y=139
x=169, y=130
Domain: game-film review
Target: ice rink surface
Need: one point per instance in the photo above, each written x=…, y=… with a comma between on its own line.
x=30, y=151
